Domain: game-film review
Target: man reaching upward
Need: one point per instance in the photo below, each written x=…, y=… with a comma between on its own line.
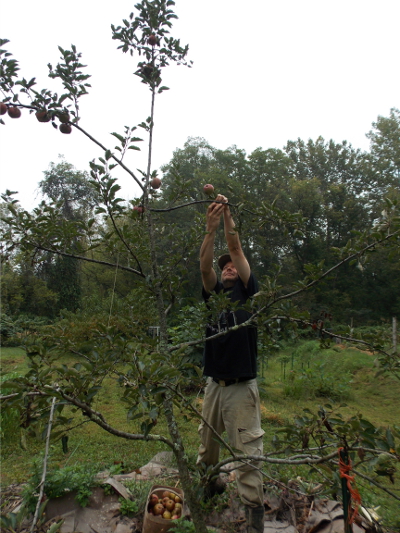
x=231, y=400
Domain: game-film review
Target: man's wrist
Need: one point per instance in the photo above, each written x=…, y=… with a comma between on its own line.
x=211, y=231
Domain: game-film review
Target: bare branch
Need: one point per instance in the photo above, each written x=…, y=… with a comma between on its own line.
x=120, y=163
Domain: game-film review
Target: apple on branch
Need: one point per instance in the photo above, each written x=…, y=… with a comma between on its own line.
x=208, y=189
x=155, y=183
x=14, y=112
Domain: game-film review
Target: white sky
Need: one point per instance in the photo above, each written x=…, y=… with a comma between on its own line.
x=265, y=72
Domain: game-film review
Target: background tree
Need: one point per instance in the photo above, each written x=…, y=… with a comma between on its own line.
x=71, y=190
x=136, y=238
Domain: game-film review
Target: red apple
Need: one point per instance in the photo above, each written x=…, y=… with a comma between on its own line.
x=175, y=517
x=170, y=504
x=139, y=209
x=158, y=509
x=14, y=112
x=152, y=40
x=63, y=117
x=3, y=108
x=43, y=116
x=208, y=188
x=65, y=128
x=153, y=500
x=155, y=183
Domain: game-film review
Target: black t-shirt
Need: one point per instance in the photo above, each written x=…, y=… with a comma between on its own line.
x=233, y=355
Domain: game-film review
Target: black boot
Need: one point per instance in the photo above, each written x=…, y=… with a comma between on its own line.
x=255, y=519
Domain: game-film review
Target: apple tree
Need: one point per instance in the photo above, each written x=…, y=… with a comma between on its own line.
x=134, y=238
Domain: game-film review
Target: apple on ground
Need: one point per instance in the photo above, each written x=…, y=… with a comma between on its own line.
x=208, y=188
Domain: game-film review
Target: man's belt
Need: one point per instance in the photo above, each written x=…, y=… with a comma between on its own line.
x=227, y=382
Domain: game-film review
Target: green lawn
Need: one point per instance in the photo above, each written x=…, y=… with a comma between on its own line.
x=290, y=381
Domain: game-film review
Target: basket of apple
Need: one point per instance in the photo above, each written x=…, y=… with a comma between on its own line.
x=164, y=506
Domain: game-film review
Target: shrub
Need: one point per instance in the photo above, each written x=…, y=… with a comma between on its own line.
x=10, y=416
x=80, y=478
x=317, y=382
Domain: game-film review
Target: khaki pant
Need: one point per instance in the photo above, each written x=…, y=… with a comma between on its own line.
x=236, y=409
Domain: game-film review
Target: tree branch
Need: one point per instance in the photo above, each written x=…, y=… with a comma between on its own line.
x=88, y=259
x=120, y=163
x=99, y=419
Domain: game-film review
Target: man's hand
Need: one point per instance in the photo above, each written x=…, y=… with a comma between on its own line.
x=214, y=212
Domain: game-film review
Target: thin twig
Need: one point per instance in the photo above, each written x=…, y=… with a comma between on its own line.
x=46, y=455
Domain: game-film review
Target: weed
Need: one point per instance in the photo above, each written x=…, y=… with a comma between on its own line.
x=183, y=526
x=79, y=478
x=139, y=491
x=128, y=507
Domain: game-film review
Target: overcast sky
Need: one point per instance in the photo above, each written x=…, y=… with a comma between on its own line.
x=264, y=72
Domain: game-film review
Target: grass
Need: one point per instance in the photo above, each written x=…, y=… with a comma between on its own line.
x=376, y=397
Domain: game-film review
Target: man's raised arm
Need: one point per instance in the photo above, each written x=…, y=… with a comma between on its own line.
x=235, y=248
x=208, y=273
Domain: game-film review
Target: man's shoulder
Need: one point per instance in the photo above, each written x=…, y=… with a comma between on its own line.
x=252, y=285
x=218, y=288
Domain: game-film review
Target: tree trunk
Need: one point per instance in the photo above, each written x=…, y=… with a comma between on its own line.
x=187, y=485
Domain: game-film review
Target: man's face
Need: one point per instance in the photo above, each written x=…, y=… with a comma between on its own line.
x=229, y=275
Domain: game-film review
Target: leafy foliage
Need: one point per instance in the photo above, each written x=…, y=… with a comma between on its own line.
x=307, y=214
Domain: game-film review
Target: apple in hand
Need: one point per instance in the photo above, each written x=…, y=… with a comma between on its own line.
x=208, y=188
